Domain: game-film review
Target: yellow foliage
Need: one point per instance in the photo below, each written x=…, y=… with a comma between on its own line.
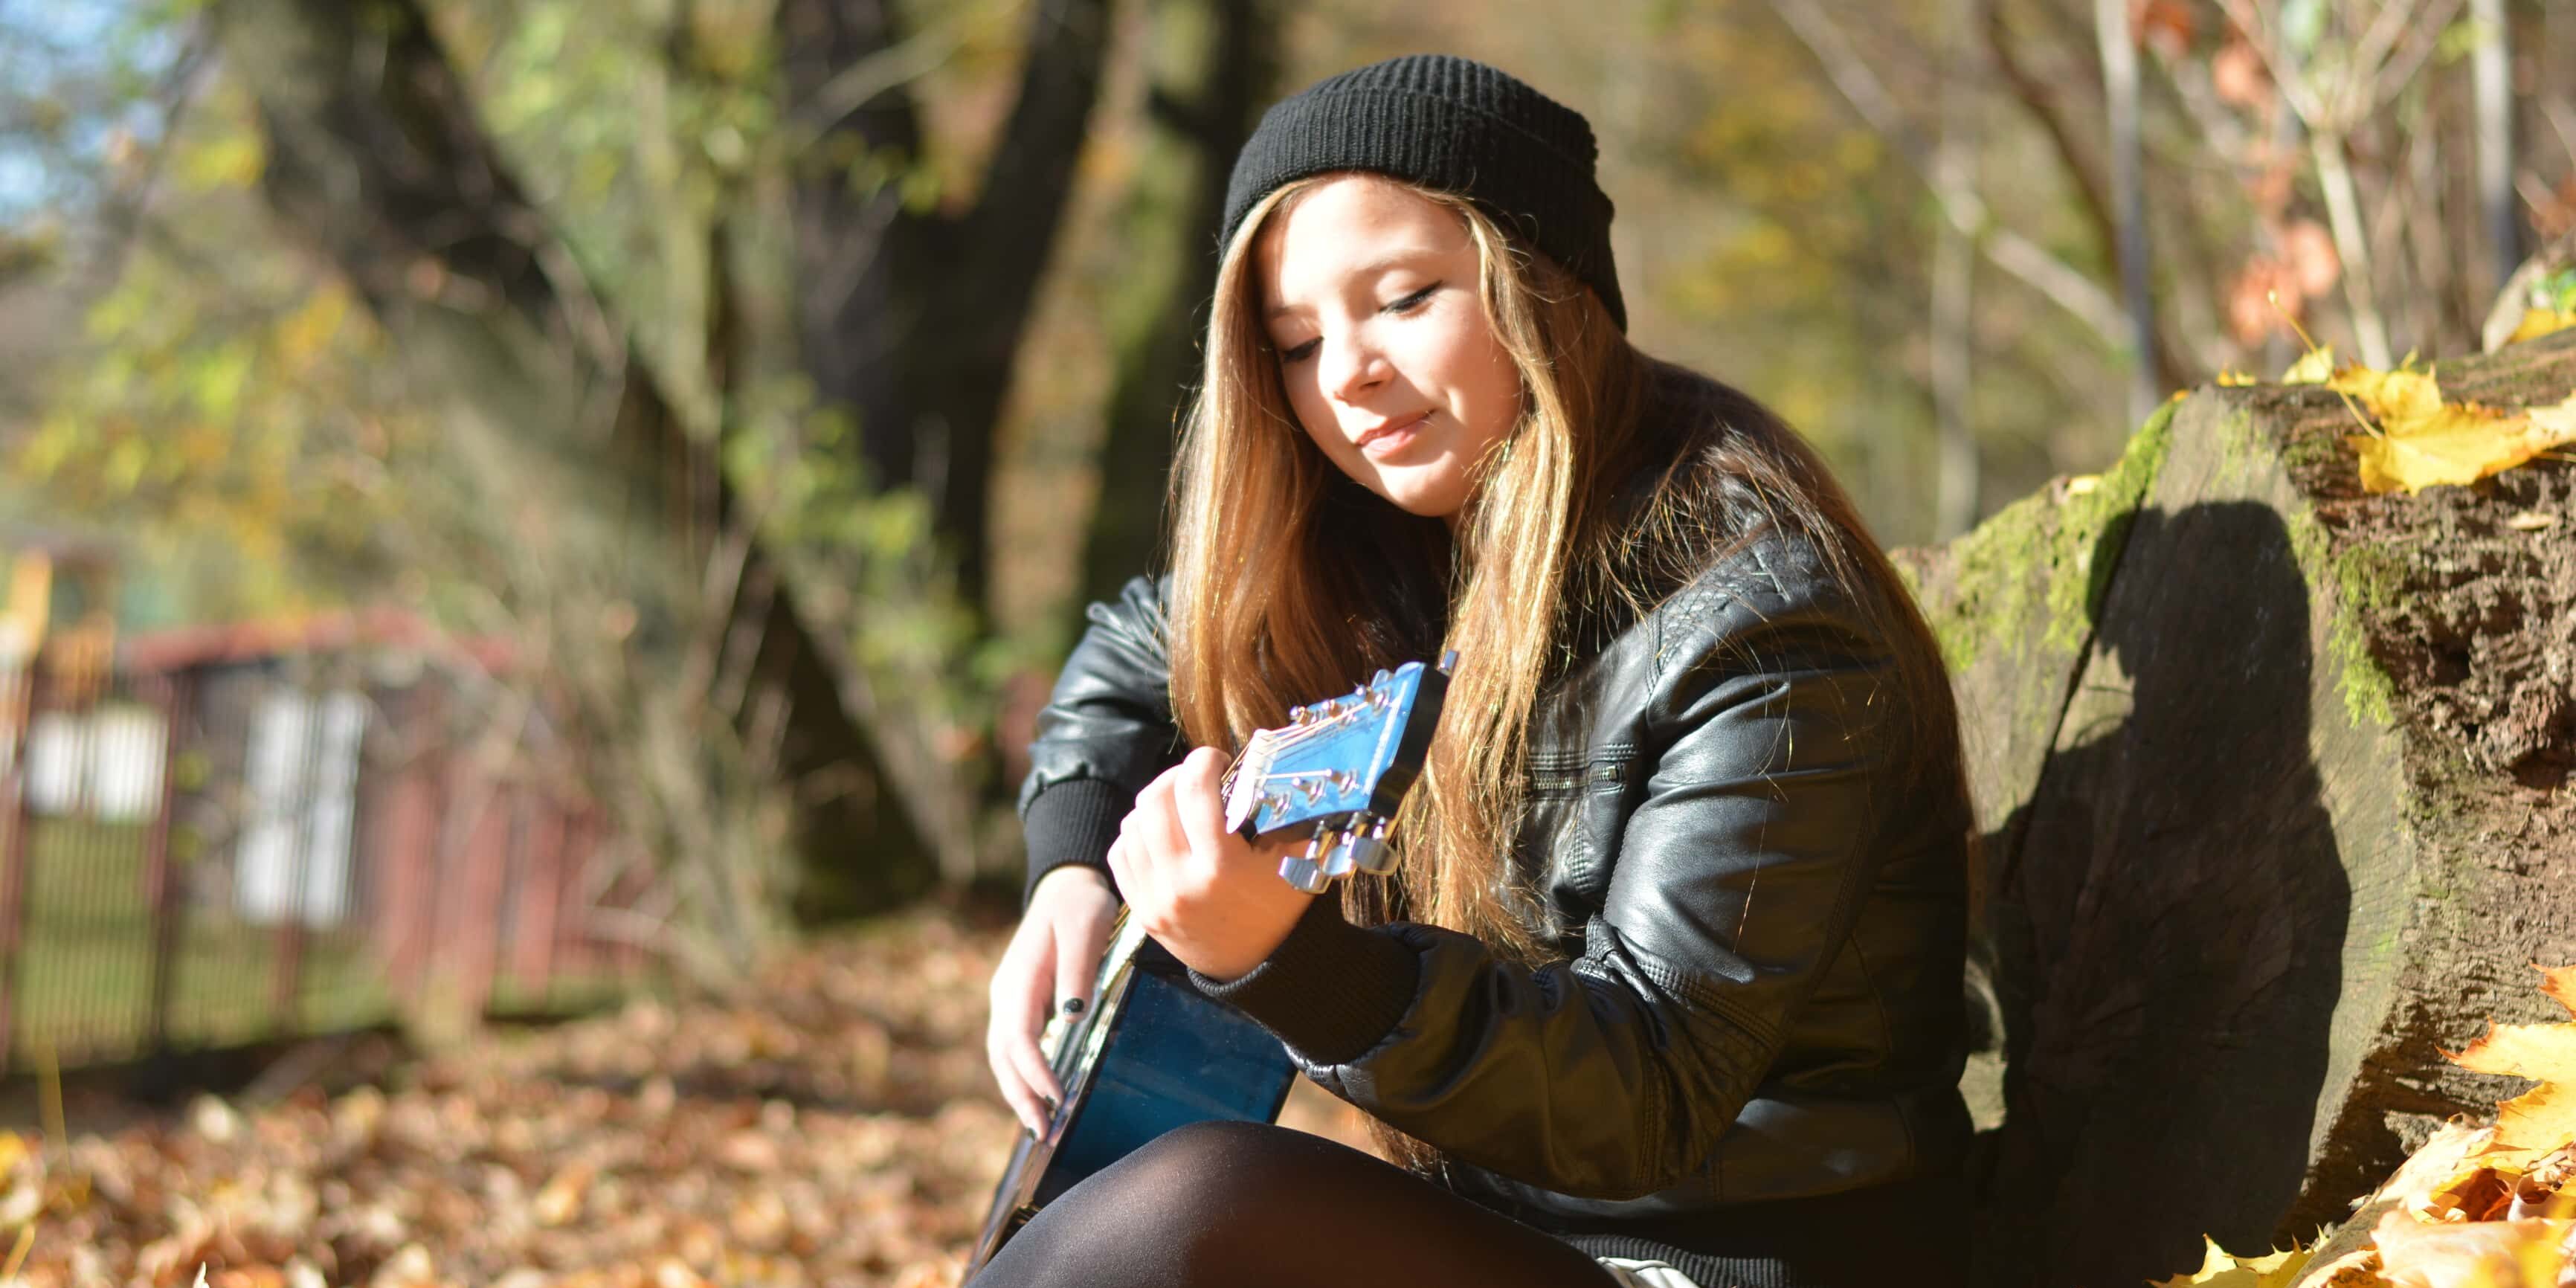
x=2539, y=322
x=2543, y=1051
x=2312, y=368
x=2559, y=986
x=2469, y=1254
x=2424, y=440
x=2219, y=1270
x=2395, y=397
x=234, y=159
x=2543, y=1119
x=2439, y=1171
x=309, y=330
x=2481, y=1207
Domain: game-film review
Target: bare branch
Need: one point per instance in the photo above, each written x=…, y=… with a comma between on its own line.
x=858, y=84
x=2017, y=255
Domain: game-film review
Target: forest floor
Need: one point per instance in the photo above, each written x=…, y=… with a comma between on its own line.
x=831, y=1123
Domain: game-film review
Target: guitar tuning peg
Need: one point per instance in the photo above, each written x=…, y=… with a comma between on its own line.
x=1380, y=678
x=1304, y=874
x=1300, y=715
x=1306, y=871
x=1337, y=860
x=1364, y=853
x=1448, y=661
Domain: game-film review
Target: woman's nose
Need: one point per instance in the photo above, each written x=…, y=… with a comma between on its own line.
x=1353, y=368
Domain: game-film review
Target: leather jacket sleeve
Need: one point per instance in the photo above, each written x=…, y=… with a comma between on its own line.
x=1753, y=807
x=1106, y=732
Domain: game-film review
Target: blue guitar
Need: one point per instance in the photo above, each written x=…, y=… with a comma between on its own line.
x=1151, y=1054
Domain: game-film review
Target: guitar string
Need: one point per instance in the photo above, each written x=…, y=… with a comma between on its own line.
x=1284, y=740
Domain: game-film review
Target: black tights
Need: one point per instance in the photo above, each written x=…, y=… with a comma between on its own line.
x=1248, y=1205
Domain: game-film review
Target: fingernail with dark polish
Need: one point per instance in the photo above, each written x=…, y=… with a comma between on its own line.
x=1073, y=1006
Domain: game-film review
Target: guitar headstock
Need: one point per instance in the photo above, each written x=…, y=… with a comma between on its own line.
x=1342, y=766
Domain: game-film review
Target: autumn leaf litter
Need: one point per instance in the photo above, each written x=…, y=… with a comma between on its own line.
x=833, y=1125
x=2476, y=1206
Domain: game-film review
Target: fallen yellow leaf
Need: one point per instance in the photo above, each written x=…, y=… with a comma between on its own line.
x=2543, y=1051
x=2312, y=368
x=2473, y=1254
x=2558, y=418
x=2542, y=1119
x=2219, y=1270
x=2395, y=397
x=2425, y=441
x=2439, y=1169
x=2560, y=986
x=560, y=1201
x=2539, y=322
x=2356, y=1269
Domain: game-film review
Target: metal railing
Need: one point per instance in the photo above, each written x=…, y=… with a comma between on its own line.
x=220, y=841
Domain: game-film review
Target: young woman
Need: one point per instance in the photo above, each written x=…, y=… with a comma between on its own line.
x=1666, y=988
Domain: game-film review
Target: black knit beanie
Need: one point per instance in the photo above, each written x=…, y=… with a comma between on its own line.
x=1453, y=125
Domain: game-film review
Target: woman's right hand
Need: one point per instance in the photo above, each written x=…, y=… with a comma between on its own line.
x=1053, y=957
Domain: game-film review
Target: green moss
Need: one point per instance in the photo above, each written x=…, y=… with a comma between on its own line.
x=2094, y=528
x=1991, y=579
x=2364, y=577
x=2043, y=556
x=2318, y=449
x=2241, y=448
x=2370, y=577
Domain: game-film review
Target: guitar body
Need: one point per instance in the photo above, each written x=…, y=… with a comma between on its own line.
x=1150, y=1055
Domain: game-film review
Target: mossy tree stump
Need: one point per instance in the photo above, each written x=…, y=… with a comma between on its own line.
x=2274, y=781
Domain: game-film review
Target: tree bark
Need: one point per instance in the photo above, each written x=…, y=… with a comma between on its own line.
x=2272, y=775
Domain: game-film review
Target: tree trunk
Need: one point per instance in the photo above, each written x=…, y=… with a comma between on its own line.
x=375, y=156
x=1212, y=75
x=912, y=319
x=2272, y=775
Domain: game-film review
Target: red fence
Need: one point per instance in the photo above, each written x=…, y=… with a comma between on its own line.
x=225, y=840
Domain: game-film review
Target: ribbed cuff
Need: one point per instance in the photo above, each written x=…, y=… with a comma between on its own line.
x=1330, y=990
x=1072, y=822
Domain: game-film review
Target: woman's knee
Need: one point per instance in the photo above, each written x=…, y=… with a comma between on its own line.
x=1198, y=1181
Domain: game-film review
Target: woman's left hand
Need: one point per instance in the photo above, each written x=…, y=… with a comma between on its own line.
x=1211, y=897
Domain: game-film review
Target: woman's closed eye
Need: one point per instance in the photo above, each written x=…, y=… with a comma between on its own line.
x=1411, y=302
x=1394, y=308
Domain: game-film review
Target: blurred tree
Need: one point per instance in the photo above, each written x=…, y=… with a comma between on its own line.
x=704, y=327
x=908, y=315
x=638, y=365
x=912, y=316
x=1211, y=74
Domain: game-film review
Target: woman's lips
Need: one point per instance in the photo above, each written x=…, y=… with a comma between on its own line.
x=1393, y=439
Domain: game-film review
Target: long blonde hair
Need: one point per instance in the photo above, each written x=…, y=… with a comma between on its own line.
x=1291, y=581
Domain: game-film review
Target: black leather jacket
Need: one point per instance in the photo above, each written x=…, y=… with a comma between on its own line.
x=1762, y=930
